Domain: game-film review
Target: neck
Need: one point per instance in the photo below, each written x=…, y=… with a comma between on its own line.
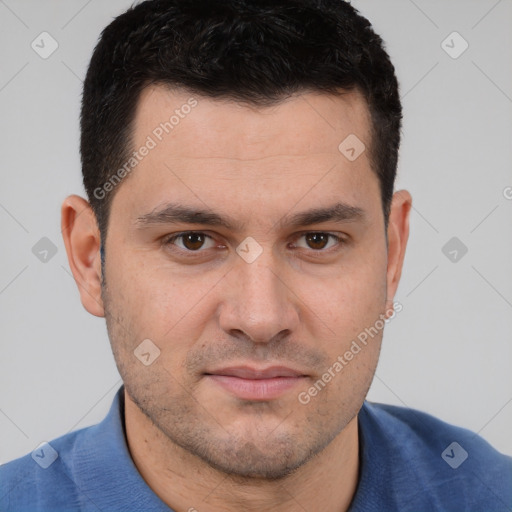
x=186, y=483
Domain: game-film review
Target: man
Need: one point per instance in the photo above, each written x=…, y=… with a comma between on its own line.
x=241, y=239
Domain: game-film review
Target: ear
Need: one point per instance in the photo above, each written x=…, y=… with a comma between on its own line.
x=82, y=240
x=398, y=234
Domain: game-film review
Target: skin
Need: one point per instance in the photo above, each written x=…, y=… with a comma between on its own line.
x=300, y=304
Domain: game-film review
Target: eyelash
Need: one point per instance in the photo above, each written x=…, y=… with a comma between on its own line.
x=168, y=241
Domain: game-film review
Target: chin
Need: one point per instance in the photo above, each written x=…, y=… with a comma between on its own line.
x=249, y=463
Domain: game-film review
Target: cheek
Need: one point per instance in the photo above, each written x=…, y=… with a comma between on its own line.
x=157, y=302
x=350, y=299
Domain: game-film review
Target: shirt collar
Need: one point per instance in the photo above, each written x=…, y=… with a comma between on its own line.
x=106, y=474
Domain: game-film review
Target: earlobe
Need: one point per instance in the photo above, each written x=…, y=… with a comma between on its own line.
x=82, y=240
x=398, y=235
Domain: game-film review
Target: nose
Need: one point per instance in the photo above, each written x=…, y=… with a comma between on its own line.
x=258, y=302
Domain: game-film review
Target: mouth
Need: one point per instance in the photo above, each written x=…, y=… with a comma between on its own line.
x=256, y=384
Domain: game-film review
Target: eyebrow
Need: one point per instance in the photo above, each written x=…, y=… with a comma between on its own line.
x=182, y=214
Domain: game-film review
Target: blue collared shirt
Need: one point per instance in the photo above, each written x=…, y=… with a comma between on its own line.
x=410, y=461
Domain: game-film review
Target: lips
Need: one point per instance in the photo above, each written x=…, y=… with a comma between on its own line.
x=256, y=384
x=245, y=372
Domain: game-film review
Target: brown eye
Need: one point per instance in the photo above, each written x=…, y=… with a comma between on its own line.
x=193, y=241
x=319, y=241
x=190, y=241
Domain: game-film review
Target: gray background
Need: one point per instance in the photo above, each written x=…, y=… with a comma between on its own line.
x=448, y=352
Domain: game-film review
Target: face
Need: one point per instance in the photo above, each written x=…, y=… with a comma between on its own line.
x=252, y=302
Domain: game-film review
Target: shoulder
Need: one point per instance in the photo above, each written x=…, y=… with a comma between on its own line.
x=416, y=431
x=430, y=463
x=64, y=473
x=87, y=470
x=43, y=480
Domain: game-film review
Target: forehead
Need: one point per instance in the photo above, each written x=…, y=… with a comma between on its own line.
x=305, y=123
x=204, y=151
